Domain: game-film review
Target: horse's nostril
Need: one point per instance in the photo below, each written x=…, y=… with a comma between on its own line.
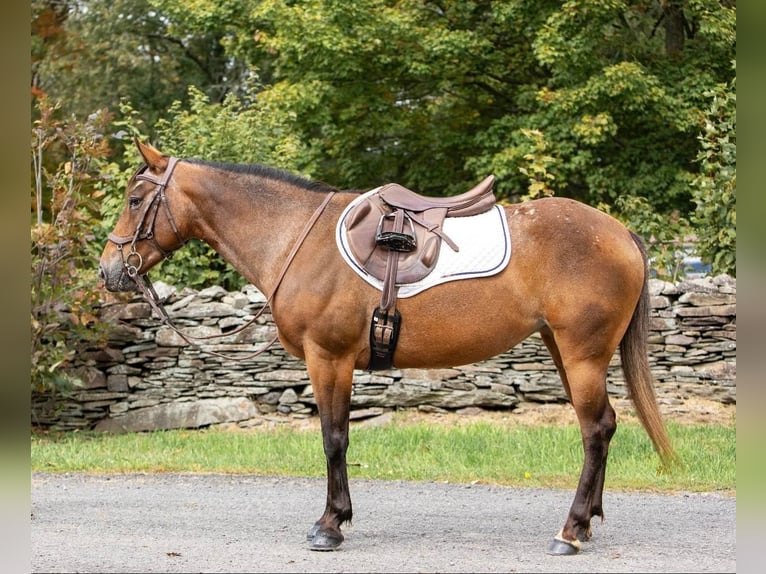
x=101, y=273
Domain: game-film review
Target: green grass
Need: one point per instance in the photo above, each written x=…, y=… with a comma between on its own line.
x=539, y=456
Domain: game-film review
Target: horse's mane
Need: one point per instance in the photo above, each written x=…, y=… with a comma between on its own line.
x=265, y=171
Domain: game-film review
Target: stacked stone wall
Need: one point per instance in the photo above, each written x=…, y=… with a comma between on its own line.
x=147, y=377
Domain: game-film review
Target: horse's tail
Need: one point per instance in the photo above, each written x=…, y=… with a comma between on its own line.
x=635, y=366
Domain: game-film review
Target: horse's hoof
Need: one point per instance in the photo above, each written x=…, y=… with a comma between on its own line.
x=325, y=542
x=312, y=531
x=560, y=547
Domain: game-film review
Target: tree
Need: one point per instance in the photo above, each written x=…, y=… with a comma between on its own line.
x=437, y=94
x=398, y=91
x=620, y=111
x=93, y=54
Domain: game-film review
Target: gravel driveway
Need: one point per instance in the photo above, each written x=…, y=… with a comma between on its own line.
x=222, y=523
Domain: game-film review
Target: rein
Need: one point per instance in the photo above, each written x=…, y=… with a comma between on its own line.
x=147, y=289
x=145, y=285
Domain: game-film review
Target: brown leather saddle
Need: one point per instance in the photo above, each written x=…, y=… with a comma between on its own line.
x=396, y=234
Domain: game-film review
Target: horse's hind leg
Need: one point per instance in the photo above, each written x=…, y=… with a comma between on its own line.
x=585, y=383
x=332, y=391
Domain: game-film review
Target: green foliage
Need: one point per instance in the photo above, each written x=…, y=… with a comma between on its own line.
x=715, y=188
x=241, y=129
x=537, y=167
x=666, y=237
x=597, y=100
x=66, y=159
x=394, y=92
x=90, y=54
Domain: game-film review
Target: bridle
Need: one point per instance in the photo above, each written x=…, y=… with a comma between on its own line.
x=145, y=228
x=145, y=232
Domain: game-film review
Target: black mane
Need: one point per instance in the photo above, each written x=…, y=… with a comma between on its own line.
x=266, y=172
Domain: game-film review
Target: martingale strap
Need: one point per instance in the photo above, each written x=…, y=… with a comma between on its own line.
x=149, y=293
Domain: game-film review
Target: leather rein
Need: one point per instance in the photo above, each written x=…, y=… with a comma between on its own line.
x=145, y=232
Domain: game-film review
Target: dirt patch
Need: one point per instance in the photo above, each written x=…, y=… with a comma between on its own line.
x=691, y=411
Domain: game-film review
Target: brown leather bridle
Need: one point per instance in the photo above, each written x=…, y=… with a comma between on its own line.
x=145, y=228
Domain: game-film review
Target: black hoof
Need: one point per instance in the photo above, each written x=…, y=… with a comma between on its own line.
x=559, y=547
x=325, y=542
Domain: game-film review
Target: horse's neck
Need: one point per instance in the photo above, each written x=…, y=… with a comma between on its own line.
x=254, y=224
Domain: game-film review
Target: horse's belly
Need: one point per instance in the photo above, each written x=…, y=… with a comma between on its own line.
x=458, y=331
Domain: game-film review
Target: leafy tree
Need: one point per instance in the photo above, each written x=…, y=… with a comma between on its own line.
x=436, y=95
x=394, y=91
x=91, y=54
x=620, y=113
x=620, y=109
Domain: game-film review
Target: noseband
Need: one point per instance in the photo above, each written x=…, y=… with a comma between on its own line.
x=145, y=228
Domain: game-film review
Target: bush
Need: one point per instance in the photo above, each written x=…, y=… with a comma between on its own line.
x=715, y=188
x=66, y=158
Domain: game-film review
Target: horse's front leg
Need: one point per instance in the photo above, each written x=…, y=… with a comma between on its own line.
x=331, y=381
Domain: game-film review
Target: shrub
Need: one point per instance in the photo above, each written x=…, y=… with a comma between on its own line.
x=66, y=157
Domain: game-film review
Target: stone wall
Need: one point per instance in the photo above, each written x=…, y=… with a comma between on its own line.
x=148, y=377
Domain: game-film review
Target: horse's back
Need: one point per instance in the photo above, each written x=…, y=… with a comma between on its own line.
x=572, y=268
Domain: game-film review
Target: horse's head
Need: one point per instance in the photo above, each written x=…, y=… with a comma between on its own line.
x=147, y=230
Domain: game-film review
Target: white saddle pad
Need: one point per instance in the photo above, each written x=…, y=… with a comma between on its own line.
x=484, y=242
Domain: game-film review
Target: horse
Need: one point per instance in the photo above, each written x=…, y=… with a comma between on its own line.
x=577, y=276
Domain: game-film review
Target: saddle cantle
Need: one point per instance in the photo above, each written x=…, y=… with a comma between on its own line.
x=395, y=234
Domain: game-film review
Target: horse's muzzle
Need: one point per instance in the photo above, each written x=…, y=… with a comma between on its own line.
x=116, y=279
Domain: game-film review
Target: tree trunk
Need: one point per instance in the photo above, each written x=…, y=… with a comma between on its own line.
x=675, y=33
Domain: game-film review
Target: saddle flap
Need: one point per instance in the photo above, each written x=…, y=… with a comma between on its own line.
x=362, y=225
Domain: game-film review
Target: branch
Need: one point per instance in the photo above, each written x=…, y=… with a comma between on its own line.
x=187, y=52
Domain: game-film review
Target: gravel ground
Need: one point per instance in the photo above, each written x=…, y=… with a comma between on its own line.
x=222, y=523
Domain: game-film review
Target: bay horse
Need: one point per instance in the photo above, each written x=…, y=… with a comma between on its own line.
x=577, y=276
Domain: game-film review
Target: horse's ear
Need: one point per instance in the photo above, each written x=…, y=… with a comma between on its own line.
x=153, y=157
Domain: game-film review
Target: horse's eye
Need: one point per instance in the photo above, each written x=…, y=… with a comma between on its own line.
x=134, y=202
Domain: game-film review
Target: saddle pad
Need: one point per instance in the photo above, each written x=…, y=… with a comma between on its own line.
x=484, y=241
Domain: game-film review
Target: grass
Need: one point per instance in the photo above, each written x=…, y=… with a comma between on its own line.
x=482, y=452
